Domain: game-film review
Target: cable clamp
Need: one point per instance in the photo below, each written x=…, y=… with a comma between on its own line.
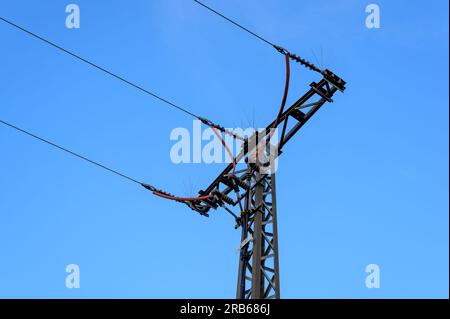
x=149, y=187
x=281, y=50
x=220, y=128
x=298, y=59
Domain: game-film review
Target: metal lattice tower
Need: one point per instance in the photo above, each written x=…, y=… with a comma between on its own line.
x=258, y=274
x=249, y=195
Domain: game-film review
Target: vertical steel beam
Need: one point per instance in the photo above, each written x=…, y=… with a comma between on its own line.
x=258, y=276
x=275, y=237
x=258, y=240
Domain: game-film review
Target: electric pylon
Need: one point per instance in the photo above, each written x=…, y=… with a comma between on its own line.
x=249, y=195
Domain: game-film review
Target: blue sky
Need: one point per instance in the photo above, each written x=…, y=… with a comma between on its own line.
x=365, y=181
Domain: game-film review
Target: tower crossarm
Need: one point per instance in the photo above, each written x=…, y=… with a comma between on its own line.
x=228, y=186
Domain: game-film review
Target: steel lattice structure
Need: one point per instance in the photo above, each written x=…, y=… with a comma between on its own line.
x=258, y=275
x=249, y=195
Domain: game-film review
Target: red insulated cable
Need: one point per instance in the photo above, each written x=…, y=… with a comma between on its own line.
x=181, y=199
x=195, y=199
x=227, y=149
x=286, y=91
x=280, y=112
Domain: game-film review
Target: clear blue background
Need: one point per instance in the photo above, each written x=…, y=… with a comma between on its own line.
x=366, y=181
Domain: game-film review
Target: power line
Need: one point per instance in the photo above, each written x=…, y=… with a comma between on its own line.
x=120, y=78
x=149, y=187
x=69, y=152
x=235, y=23
x=99, y=68
x=280, y=49
x=205, y=121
